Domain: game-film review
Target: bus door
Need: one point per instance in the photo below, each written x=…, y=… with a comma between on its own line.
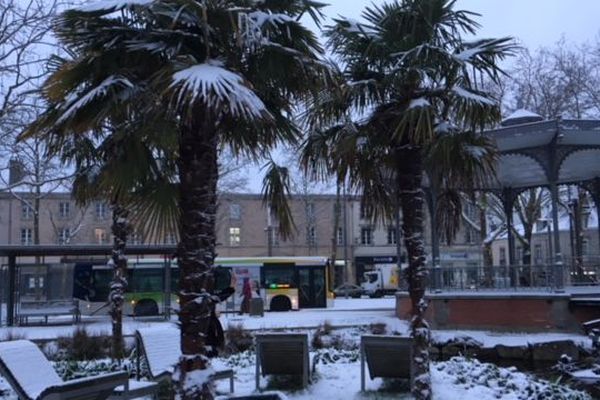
x=311, y=286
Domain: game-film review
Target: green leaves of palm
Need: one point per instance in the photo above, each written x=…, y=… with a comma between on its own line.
x=237, y=62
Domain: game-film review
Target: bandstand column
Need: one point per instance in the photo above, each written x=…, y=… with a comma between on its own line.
x=558, y=261
x=507, y=204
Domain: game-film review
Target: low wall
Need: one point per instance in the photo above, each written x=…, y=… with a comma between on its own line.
x=533, y=312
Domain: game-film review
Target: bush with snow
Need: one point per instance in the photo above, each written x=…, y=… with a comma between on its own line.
x=471, y=379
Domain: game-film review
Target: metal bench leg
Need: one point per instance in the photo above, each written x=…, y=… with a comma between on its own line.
x=257, y=367
x=231, y=384
x=362, y=368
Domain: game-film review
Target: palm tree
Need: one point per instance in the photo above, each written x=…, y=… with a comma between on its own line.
x=227, y=73
x=408, y=101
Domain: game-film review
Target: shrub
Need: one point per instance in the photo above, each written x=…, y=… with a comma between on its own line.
x=82, y=346
x=237, y=339
x=378, y=328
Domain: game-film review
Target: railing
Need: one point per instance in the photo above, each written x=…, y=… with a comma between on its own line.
x=546, y=277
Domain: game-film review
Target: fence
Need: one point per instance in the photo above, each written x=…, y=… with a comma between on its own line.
x=516, y=277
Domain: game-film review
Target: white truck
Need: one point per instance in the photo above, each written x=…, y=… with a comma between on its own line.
x=384, y=279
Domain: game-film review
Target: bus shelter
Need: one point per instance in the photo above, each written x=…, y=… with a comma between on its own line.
x=533, y=153
x=57, y=274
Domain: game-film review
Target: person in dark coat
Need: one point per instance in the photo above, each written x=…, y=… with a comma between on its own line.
x=246, y=295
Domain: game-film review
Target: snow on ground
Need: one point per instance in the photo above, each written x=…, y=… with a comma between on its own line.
x=463, y=379
x=458, y=378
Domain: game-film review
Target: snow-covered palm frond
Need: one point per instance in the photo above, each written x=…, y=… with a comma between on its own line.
x=111, y=5
x=76, y=102
x=474, y=96
x=220, y=90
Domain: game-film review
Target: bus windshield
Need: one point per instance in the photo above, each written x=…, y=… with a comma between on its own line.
x=276, y=276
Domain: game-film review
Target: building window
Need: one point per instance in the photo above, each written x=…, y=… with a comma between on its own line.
x=101, y=210
x=502, y=256
x=340, y=236
x=273, y=233
x=537, y=253
x=136, y=238
x=26, y=211
x=365, y=211
x=470, y=210
x=311, y=236
x=235, y=236
x=64, y=209
x=235, y=211
x=519, y=255
x=26, y=236
x=471, y=235
x=170, y=238
x=100, y=236
x=310, y=211
x=584, y=246
x=366, y=236
x=64, y=236
x=391, y=235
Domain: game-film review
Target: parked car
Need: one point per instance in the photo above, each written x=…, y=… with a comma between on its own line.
x=348, y=289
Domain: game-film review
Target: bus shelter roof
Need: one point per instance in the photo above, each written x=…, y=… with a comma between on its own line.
x=82, y=250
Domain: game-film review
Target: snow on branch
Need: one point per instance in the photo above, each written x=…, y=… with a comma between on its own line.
x=419, y=103
x=471, y=96
x=94, y=93
x=219, y=89
x=112, y=5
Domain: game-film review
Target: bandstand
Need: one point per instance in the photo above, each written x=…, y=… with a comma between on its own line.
x=533, y=153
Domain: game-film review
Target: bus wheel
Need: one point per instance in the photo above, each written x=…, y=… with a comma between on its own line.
x=281, y=303
x=145, y=308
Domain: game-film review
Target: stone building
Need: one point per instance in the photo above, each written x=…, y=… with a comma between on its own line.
x=244, y=229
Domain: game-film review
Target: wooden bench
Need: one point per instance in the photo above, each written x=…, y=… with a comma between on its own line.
x=588, y=326
x=386, y=357
x=45, y=309
x=161, y=349
x=32, y=376
x=282, y=354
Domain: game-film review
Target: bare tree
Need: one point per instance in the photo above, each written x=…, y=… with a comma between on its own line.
x=561, y=80
x=26, y=44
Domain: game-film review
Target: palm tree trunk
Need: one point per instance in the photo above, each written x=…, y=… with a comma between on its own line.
x=198, y=174
x=120, y=230
x=411, y=201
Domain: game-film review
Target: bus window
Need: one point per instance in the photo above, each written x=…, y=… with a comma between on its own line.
x=101, y=284
x=279, y=276
x=146, y=280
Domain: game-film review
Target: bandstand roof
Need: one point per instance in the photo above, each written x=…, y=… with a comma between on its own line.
x=538, y=153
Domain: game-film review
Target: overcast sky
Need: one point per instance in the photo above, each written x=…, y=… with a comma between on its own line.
x=534, y=22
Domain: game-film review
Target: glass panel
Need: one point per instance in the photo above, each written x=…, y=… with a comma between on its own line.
x=304, y=287
x=319, y=287
x=279, y=275
x=147, y=280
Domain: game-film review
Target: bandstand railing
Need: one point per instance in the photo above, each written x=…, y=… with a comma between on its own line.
x=536, y=277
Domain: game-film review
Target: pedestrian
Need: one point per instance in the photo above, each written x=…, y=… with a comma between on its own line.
x=246, y=296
